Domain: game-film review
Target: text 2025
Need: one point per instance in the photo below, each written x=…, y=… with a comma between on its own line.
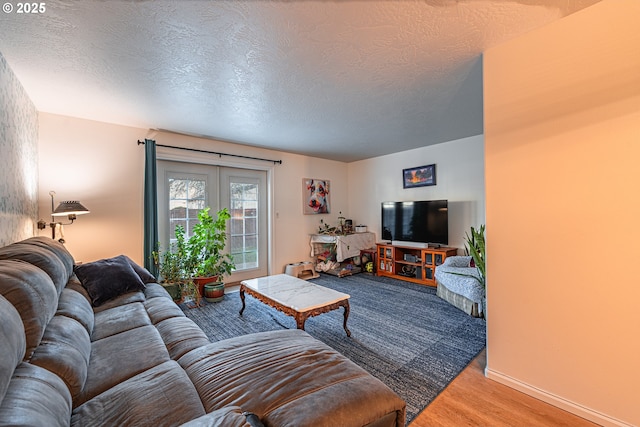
x=31, y=8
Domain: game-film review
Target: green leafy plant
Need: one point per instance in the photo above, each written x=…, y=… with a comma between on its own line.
x=172, y=263
x=201, y=255
x=475, y=246
x=173, y=266
x=205, y=247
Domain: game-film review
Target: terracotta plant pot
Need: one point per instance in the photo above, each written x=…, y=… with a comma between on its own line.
x=214, y=292
x=201, y=281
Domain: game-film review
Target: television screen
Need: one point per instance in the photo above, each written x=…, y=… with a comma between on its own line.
x=424, y=221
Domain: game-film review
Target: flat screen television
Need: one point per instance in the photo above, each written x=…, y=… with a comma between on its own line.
x=416, y=223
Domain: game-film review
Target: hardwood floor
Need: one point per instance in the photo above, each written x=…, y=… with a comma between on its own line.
x=474, y=400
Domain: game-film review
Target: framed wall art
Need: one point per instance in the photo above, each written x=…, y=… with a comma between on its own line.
x=419, y=177
x=315, y=196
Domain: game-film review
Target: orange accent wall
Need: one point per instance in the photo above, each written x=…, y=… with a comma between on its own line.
x=562, y=161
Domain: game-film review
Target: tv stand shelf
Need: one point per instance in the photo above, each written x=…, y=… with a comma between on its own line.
x=417, y=265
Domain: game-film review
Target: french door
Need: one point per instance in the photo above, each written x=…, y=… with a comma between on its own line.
x=186, y=188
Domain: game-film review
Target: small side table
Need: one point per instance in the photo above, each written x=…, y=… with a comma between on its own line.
x=368, y=255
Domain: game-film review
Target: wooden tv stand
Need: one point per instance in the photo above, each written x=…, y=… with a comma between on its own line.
x=417, y=265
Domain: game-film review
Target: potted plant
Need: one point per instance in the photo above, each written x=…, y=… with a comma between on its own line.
x=173, y=269
x=208, y=264
x=475, y=248
x=477, y=251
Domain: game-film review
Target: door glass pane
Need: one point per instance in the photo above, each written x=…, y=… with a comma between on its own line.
x=196, y=190
x=177, y=189
x=244, y=225
x=195, y=206
x=186, y=198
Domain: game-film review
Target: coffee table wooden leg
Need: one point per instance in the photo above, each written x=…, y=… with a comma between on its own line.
x=346, y=316
x=301, y=318
x=242, y=298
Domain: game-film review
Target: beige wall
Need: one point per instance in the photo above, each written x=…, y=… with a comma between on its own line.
x=459, y=179
x=562, y=141
x=101, y=165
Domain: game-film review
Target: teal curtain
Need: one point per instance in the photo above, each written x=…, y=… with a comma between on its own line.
x=150, y=205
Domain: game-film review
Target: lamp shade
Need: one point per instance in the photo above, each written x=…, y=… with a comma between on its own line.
x=72, y=207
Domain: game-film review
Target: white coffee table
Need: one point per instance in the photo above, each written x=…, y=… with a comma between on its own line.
x=295, y=297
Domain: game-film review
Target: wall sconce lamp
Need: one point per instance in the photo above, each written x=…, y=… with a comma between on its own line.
x=69, y=208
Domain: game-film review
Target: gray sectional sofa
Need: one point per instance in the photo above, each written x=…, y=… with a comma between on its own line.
x=72, y=356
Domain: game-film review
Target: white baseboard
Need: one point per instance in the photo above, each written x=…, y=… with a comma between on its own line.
x=557, y=401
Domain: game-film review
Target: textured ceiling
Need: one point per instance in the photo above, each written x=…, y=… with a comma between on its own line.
x=343, y=80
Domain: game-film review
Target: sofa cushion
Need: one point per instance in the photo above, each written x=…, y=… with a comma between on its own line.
x=35, y=397
x=64, y=350
x=55, y=247
x=119, y=319
x=160, y=309
x=108, y=278
x=119, y=357
x=223, y=373
x=462, y=261
x=162, y=395
x=32, y=292
x=74, y=284
x=42, y=258
x=74, y=305
x=181, y=335
x=13, y=342
x=154, y=290
x=128, y=298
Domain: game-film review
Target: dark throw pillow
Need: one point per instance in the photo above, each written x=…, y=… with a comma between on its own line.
x=108, y=278
x=144, y=274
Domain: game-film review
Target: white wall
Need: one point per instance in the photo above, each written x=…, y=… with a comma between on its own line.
x=459, y=179
x=562, y=137
x=102, y=166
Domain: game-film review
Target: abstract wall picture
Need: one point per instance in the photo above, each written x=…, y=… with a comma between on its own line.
x=419, y=177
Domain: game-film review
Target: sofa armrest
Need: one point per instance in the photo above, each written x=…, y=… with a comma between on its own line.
x=457, y=261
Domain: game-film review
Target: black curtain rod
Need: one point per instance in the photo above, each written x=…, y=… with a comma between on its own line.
x=215, y=152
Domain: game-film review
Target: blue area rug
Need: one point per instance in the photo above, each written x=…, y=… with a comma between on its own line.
x=402, y=333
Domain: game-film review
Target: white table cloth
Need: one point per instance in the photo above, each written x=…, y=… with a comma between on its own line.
x=347, y=246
